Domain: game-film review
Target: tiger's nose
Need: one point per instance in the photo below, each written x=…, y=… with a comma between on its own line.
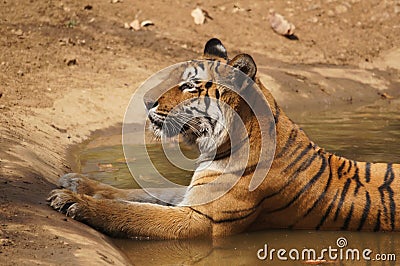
x=150, y=103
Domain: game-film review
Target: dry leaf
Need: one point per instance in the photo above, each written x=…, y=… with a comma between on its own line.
x=198, y=15
x=135, y=25
x=146, y=23
x=279, y=24
x=384, y=95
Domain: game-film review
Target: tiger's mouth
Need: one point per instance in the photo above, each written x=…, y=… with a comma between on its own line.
x=170, y=126
x=167, y=126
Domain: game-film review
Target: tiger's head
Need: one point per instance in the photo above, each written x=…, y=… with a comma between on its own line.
x=199, y=107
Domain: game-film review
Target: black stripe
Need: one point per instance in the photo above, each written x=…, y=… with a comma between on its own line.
x=295, y=150
x=277, y=112
x=298, y=158
x=198, y=110
x=356, y=178
x=217, y=94
x=340, y=169
x=365, y=212
x=391, y=194
x=328, y=211
x=378, y=222
x=325, y=190
x=388, y=179
x=295, y=174
x=289, y=141
x=217, y=66
x=350, y=167
x=230, y=220
x=348, y=218
x=207, y=101
x=306, y=187
x=199, y=91
x=342, y=196
x=367, y=172
x=242, y=210
x=201, y=65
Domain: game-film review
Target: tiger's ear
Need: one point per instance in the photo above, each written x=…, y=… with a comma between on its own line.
x=244, y=63
x=215, y=49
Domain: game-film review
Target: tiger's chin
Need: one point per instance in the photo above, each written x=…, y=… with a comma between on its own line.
x=188, y=136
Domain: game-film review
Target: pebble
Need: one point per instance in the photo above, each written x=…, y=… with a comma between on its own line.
x=340, y=9
x=18, y=32
x=71, y=62
x=330, y=13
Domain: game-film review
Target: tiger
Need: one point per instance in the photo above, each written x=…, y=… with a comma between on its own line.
x=306, y=186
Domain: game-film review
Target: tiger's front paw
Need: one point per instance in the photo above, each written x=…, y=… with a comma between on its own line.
x=77, y=183
x=68, y=202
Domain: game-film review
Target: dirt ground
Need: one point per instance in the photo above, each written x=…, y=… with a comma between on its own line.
x=68, y=68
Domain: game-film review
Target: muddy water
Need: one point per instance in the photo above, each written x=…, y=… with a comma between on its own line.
x=368, y=135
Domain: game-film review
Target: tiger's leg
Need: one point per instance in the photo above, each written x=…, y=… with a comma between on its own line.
x=131, y=219
x=83, y=185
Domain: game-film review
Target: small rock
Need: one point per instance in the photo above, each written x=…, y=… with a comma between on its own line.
x=20, y=73
x=1, y=94
x=2, y=106
x=135, y=25
x=314, y=20
x=330, y=13
x=279, y=24
x=71, y=62
x=340, y=9
x=18, y=32
x=6, y=242
x=116, y=1
x=126, y=25
x=397, y=9
x=88, y=7
x=198, y=16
